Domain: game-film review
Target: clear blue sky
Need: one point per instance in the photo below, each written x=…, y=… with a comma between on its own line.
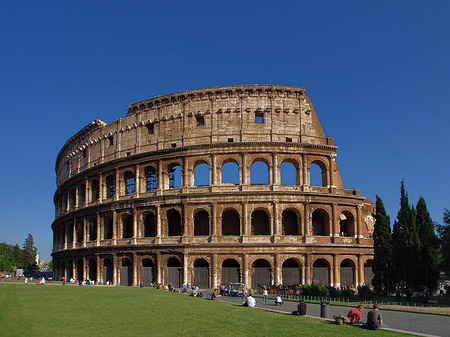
x=378, y=74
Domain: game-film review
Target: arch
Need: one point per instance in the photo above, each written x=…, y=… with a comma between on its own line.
x=151, y=179
x=92, y=267
x=79, y=270
x=201, y=273
x=347, y=273
x=318, y=173
x=320, y=222
x=231, y=271
x=290, y=222
x=288, y=173
x=261, y=273
x=230, y=173
x=259, y=173
x=69, y=270
x=92, y=229
x=346, y=224
x=81, y=194
x=201, y=223
x=368, y=272
x=148, y=272
x=173, y=273
x=107, y=271
x=291, y=272
x=174, y=171
x=126, y=272
x=174, y=224
x=80, y=230
x=127, y=226
x=201, y=175
x=95, y=190
x=260, y=223
x=110, y=186
x=149, y=220
x=130, y=185
x=107, y=227
x=321, y=272
x=231, y=223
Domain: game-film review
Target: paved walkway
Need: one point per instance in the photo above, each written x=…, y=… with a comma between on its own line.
x=427, y=324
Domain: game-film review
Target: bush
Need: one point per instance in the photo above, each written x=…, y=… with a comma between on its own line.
x=365, y=292
x=314, y=290
x=332, y=291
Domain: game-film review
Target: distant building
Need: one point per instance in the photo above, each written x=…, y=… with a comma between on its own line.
x=169, y=193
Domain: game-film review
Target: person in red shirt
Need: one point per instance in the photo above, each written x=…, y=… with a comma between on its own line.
x=355, y=315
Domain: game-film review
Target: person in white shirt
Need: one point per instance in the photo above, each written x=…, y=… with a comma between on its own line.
x=278, y=300
x=250, y=302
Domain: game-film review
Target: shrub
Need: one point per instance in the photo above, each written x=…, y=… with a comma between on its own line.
x=332, y=291
x=365, y=292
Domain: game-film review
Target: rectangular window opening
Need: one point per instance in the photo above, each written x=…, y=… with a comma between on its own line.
x=200, y=121
x=259, y=118
x=111, y=140
x=173, y=144
x=230, y=140
x=288, y=140
x=151, y=129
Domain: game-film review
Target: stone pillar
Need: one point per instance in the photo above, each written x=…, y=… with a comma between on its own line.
x=213, y=220
x=185, y=269
x=245, y=175
x=135, y=227
x=85, y=228
x=276, y=220
x=275, y=170
x=214, y=172
x=158, y=268
x=305, y=172
x=117, y=192
x=360, y=271
x=135, y=270
x=278, y=270
x=158, y=224
x=335, y=222
x=87, y=198
x=115, y=276
x=74, y=232
x=114, y=227
x=101, y=192
x=308, y=275
x=358, y=221
x=137, y=178
x=160, y=179
x=245, y=271
x=84, y=267
x=99, y=274
x=214, y=271
x=245, y=223
x=97, y=243
x=336, y=275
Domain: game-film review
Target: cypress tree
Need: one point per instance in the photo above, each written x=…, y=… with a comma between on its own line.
x=429, y=247
x=382, y=246
x=444, y=233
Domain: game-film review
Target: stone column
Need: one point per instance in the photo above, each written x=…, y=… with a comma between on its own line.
x=185, y=269
x=276, y=220
x=336, y=279
x=115, y=276
x=117, y=192
x=97, y=243
x=99, y=274
x=244, y=223
x=278, y=269
x=135, y=227
x=308, y=275
x=135, y=270
x=74, y=232
x=158, y=224
x=214, y=271
x=101, y=193
x=245, y=271
x=213, y=221
x=275, y=170
x=137, y=187
x=87, y=198
x=114, y=227
x=359, y=271
x=158, y=268
x=85, y=228
x=358, y=221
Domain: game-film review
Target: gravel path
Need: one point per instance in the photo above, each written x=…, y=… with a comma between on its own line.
x=436, y=325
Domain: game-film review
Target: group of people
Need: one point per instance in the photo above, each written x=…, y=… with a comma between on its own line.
x=374, y=318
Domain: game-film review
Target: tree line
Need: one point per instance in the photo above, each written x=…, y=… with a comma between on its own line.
x=412, y=253
x=13, y=257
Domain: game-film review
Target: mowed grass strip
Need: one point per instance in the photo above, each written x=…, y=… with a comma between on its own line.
x=54, y=310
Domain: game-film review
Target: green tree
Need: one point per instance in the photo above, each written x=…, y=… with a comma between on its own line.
x=30, y=252
x=444, y=234
x=382, y=246
x=406, y=243
x=429, y=247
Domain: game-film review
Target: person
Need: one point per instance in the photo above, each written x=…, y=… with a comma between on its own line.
x=301, y=309
x=26, y=280
x=278, y=300
x=250, y=302
x=64, y=281
x=265, y=293
x=374, y=319
x=355, y=315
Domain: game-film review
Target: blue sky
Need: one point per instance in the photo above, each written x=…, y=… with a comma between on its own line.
x=377, y=72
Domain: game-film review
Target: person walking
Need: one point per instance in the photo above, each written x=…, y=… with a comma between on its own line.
x=265, y=293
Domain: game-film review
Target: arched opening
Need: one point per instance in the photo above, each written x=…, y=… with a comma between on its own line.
x=151, y=179
x=107, y=228
x=92, y=266
x=148, y=272
x=201, y=273
x=260, y=223
x=292, y=273
x=318, y=174
x=81, y=194
x=149, y=225
x=260, y=274
x=201, y=175
x=79, y=271
x=347, y=273
x=107, y=271
x=231, y=223
x=290, y=223
x=288, y=173
x=230, y=173
x=259, y=173
x=368, y=272
x=231, y=272
x=129, y=183
x=174, y=176
x=201, y=223
x=126, y=273
x=69, y=270
x=92, y=229
x=174, y=273
x=320, y=222
x=321, y=272
x=80, y=231
x=174, y=223
x=346, y=224
x=95, y=190
x=110, y=186
x=127, y=226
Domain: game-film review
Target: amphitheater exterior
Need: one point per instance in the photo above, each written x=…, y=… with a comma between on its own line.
x=206, y=187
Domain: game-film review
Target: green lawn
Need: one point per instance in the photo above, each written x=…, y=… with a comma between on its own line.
x=55, y=310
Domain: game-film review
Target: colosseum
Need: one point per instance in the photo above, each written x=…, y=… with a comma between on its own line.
x=210, y=186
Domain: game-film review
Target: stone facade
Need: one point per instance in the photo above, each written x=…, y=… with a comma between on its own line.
x=169, y=194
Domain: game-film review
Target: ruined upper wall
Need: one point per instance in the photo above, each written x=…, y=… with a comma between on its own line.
x=247, y=113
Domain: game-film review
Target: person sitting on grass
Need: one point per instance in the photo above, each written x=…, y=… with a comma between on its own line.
x=250, y=302
x=355, y=315
x=374, y=319
x=301, y=309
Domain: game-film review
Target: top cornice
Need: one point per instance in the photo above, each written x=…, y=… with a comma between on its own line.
x=214, y=92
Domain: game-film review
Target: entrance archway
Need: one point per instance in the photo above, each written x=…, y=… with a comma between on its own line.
x=292, y=272
x=321, y=272
x=230, y=271
x=147, y=272
x=260, y=274
x=126, y=273
x=201, y=273
x=174, y=272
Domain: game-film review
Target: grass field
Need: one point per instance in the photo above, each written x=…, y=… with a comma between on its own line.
x=55, y=310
